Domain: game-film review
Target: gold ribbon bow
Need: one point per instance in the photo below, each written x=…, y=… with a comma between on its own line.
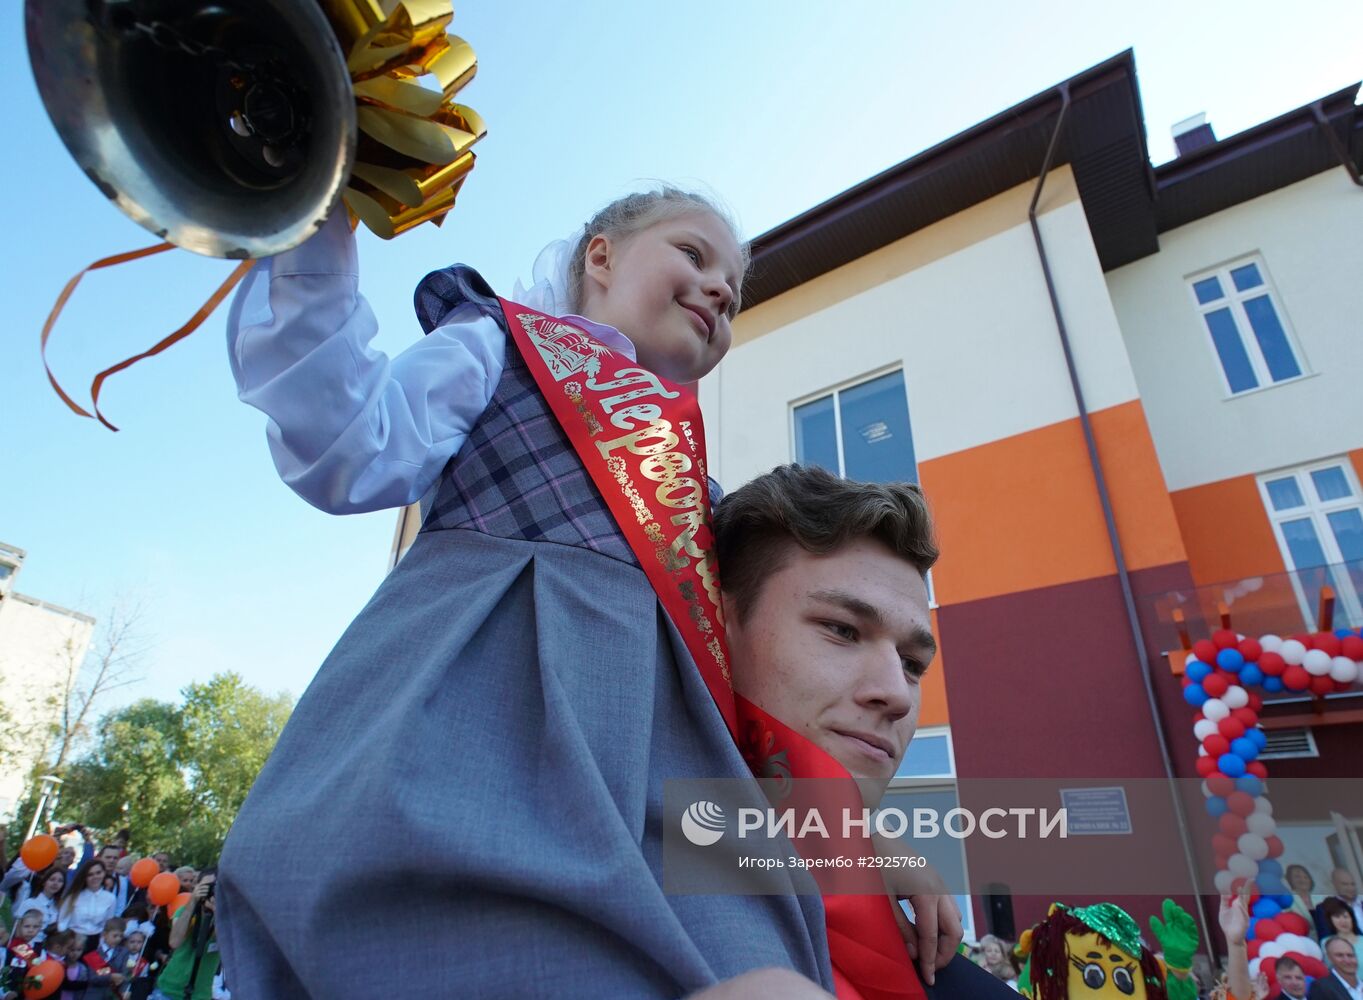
x=415, y=142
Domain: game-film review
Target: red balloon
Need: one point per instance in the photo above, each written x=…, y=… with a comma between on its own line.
x=1313, y=967
x=1220, y=784
x=1233, y=825
x=1223, y=845
x=163, y=888
x=1247, y=716
x=1275, y=850
x=1326, y=643
x=1295, y=678
x=1258, y=769
x=143, y=872
x=1250, y=649
x=1273, y=665
x=1303, y=638
x=1215, y=685
x=1322, y=685
x=52, y=974
x=1224, y=639
x=1256, y=702
x=1293, y=923
x=1221, y=861
x=1231, y=728
x=1206, y=767
x=1240, y=803
x=1205, y=650
x=1252, y=949
x=1352, y=647
x=1216, y=745
x=1266, y=929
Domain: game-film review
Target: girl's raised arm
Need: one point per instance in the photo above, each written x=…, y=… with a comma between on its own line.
x=350, y=430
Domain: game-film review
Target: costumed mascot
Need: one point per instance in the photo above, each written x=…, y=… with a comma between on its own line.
x=1095, y=953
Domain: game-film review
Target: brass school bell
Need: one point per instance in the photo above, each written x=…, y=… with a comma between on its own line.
x=227, y=128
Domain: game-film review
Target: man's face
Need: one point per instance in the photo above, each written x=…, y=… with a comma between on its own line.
x=833, y=647
x=1342, y=958
x=1344, y=883
x=110, y=857
x=65, y=856
x=162, y=859
x=1292, y=980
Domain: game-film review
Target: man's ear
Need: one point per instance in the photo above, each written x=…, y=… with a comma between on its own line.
x=598, y=260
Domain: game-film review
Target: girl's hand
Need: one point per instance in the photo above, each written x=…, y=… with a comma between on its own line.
x=1235, y=916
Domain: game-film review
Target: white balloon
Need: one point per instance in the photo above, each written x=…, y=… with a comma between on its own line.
x=1271, y=644
x=1292, y=651
x=1316, y=662
x=1263, y=806
x=1253, y=967
x=1296, y=942
x=1343, y=669
x=1223, y=881
x=1274, y=948
x=1202, y=751
x=1261, y=823
x=1215, y=709
x=1252, y=846
x=1204, y=728
x=1243, y=865
x=1235, y=697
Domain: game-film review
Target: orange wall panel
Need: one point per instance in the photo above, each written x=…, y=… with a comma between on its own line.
x=1226, y=531
x=933, y=711
x=1145, y=517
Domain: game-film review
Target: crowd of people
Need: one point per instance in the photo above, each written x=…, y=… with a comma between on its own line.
x=112, y=942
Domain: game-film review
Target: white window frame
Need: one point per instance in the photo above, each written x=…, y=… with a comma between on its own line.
x=835, y=391
x=1233, y=299
x=1315, y=509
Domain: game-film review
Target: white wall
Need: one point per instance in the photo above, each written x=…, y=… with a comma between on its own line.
x=974, y=332
x=1311, y=237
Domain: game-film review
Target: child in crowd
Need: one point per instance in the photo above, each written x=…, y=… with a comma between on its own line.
x=66, y=947
x=514, y=695
x=138, y=965
x=107, y=959
x=23, y=953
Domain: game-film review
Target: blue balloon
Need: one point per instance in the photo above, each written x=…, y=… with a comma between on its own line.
x=1230, y=764
x=1198, y=671
x=1273, y=867
x=1230, y=659
x=1244, y=748
x=1270, y=886
x=1249, y=783
x=1259, y=737
x=1273, y=684
x=1216, y=805
x=1194, y=695
x=1251, y=675
x=1266, y=908
x=1343, y=633
x=1284, y=898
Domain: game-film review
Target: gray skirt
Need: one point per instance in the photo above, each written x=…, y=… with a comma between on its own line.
x=468, y=799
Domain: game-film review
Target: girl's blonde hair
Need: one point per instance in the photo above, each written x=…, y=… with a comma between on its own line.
x=634, y=213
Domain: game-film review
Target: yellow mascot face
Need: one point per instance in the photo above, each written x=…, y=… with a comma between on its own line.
x=1099, y=969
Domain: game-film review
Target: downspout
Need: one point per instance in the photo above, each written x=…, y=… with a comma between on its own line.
x=1114, y=540
x=1318, y=113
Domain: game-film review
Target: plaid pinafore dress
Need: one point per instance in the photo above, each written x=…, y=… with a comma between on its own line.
x=474, y=780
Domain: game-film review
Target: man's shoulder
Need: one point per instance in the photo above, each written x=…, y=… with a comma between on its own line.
x=1327, y=987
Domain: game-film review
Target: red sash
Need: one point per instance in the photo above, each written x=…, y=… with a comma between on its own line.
x=24, y=954
x=642, y=441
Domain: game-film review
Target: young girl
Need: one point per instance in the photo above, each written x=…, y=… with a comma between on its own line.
x=478, y=767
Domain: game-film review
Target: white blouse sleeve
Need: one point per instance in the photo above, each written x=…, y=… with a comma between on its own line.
x=350, y=430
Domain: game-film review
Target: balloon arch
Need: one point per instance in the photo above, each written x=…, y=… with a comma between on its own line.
x=1222, y=678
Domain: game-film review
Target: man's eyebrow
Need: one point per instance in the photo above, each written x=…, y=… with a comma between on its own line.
x=919, y=636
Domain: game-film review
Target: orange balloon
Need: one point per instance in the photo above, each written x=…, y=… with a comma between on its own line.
x=179, y=901
x=51, y=972
x=143, y=872
x=39, y=852
x=163, y=888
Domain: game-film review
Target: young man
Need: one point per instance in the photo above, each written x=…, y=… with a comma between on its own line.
x=1342, y=982
x=826, y=610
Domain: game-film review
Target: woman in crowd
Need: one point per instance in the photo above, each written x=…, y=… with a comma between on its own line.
x=42, y=892
x=87, y=904
x=1340, y=918
x=1301, y=884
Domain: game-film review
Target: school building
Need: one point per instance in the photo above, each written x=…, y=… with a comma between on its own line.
x=1127, y=390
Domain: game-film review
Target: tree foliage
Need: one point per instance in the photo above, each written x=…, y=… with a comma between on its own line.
x=175, y=775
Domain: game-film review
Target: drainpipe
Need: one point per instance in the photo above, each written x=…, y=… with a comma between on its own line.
x=1318, y=112
x=1114, y=540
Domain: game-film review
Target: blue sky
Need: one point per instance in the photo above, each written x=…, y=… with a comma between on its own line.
x=775, y=107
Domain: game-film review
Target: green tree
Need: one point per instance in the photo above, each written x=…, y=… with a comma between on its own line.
x=175, y=775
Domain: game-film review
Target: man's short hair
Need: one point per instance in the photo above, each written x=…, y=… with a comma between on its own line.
x=1288, y=963
x=816, y=510
x=115, y=924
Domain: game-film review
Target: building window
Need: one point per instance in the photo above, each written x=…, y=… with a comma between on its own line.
x=1248, y=327
x=1317, y=515
x=860, y=431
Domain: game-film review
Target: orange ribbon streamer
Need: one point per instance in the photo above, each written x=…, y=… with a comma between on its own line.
x=184, y=331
